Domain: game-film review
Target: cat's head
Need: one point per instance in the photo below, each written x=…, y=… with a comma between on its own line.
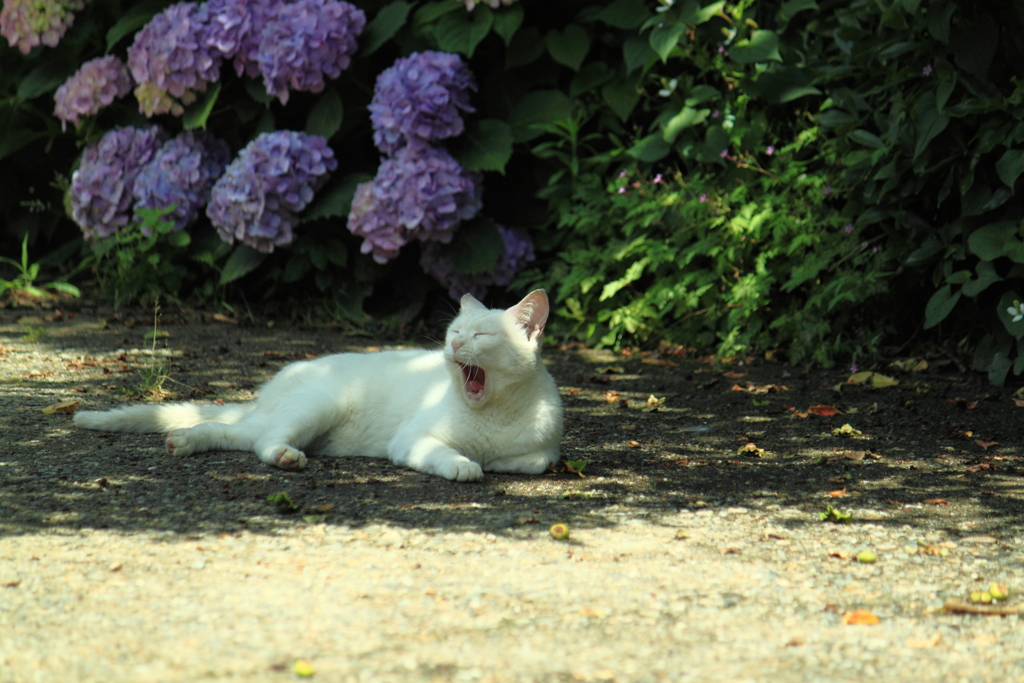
x=490, y=350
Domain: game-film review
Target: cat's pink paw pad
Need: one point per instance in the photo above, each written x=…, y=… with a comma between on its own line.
x=290, y=459
x=178, y=444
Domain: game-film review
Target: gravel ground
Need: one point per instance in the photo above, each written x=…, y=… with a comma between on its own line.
x=690, y=558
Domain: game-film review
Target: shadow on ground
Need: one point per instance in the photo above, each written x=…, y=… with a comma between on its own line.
x=938, y=451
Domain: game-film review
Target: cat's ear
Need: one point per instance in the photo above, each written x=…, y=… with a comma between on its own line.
x=468, y=302
x=531, y=313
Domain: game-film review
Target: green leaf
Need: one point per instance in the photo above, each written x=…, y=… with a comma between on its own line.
x=526, y=47
x=335, y=200
x=635, y=53
x=179, y=238
x=1010, y=166
x=592, y=75
x=760, y=47
x=507, y=21
x=650, y=148
x=834, y=515
x=198, y=112
x=486, y=145
x=702, y=93
x=866, y=138
x=568, y=47
x=940, y=306
x=780, y=85
x=663, y=39
x=477, y=246
x=937, y=20
x=624, y=14
x=296, y=268
x=134, y=18
x=326, y=116
x=621, y=96
x=989, y=242
x=283, y=503
x=791, y=8
x=684, y=119
x=243, y=260
x=930, y=122
x=384, y=26
x=42, y=79
x=540, y=106
x=987, y=275
x=462, y=31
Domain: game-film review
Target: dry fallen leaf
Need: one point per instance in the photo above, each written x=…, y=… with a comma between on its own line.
x=611, y=396
x=923, y=643
x=734, y=375
x=986, y=444
x=750, y=449
x=838, y=493
x=875, y=379
x=936, y=501
x=860, y=617
x=823, y=411
x=66, y=406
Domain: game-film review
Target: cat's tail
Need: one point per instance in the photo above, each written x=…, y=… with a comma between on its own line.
x=160, y=418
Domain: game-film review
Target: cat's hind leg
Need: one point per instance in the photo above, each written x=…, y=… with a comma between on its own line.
x=292, y=428
x=211, y=436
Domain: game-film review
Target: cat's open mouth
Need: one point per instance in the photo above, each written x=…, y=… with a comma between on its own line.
x=473, y=378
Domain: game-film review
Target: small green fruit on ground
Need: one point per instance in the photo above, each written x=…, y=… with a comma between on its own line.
x=559, y=532
x=866, y=556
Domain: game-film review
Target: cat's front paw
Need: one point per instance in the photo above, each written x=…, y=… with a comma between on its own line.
x=179, y=444
x=288, y=458
x=461, y=470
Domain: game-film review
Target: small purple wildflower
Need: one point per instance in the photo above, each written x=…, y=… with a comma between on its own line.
x=715, y=114
x=848, y=229
x=808, y=336
x=853, y=368
x=827, y=190
x=770, y=150
x=623, y=173
x=622, y=190
x=927, y=70
x=658, y=179
x=725, y=153
x=702, y=198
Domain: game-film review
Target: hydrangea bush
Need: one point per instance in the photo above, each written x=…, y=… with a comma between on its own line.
x=259, y=197
x=94, y=86
x=180, y=176
x=29, y=23
x=417, y=194
x=517, y=251
x=101, y=193
x=419, y=101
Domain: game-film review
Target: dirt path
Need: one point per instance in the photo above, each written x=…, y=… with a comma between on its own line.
x=696, y=554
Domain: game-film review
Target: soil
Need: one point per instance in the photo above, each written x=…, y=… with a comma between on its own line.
x=697, y=551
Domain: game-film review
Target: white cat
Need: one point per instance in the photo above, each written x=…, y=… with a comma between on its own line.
x=483, y=402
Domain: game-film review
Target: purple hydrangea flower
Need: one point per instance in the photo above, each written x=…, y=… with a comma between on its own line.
x=236, y=27
x=101, y=188
x=305, y=41
x=29, y=23
x=181, y=174
x=422, y=194
x=517, y=253
x=94, y=86
x=172, y=59
x=418, y=99
x=273, y=178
